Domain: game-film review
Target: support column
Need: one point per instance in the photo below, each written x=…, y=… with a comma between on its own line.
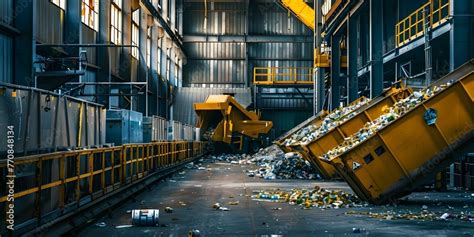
x=335, y=71
x=24, y=43
x=460, y=42
x=353, y=88
x=72, y=27
x=376, y=48
x=103, y=53
x=318, y=73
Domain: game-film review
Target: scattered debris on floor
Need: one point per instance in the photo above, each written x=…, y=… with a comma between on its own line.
x=312, y=132
x=390, y=114
x=424, y=215
x=307, y=198
x=273, y=164
x=123, y=226
x=101, y=224
x=194, y=233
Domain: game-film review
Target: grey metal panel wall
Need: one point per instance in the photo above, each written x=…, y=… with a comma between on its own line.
x=268, y=18
x=89, y=36
x=222, y=18
x=6, y=59
x=215, y=50
x=6, y=11
x=281, y=51
x=49, y=23
x=186, y=97
x=230, y=72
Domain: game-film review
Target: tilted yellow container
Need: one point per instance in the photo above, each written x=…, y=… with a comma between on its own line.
x=408, y=151
x=335, y=136
x=314, y=120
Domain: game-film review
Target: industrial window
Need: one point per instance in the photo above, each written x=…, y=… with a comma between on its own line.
x=168, y=63
x=90, y=13
x=169, y=10
x=158, y=57
x=176, y=71
x=116, y=22
x=135, y=33
x=148, y=47
x=60, y=3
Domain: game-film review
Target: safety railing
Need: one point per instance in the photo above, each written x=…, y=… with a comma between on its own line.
x=282, y=75
x=57, y=182
x=412, y=26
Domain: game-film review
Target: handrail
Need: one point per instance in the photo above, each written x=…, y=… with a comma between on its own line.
x=282, y=75
x=94, y=173
x=413, y=25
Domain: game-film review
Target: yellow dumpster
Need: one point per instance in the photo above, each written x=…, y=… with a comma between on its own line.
x=411, y=148
x=314, y=120
x=336, y=136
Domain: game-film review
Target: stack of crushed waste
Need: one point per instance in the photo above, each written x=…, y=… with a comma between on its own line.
x=273, y=163
x=390, y=115
x=307, y=198
x=332, y=120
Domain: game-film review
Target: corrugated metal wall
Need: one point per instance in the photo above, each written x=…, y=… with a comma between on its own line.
x=6, y=43
x=270, y=19
x=216, y=63
x=49, y=23
x=6, y=11
x=228, y=64
x=186, y=97
x=223, y=18
x=89, y=36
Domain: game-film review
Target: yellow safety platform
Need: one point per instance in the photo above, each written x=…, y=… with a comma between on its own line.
x=229, y=120
x=371, y=111
x=411, y=149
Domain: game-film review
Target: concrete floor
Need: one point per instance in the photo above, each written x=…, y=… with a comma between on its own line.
x=200, y=189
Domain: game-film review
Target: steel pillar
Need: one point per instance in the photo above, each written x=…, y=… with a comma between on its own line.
x=353, y=88
x=335, y=71
x=318, y=74
x=460, y=42
x=376, y=48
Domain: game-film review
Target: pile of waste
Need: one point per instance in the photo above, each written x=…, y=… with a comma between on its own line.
x=273, y=163
x=423, y=215
x=307, y=198
x=391, y=114
x=334, y=119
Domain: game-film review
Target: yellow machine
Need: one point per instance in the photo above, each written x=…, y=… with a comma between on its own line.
x=415, y=146
x=230, y=123
x=336, y=136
